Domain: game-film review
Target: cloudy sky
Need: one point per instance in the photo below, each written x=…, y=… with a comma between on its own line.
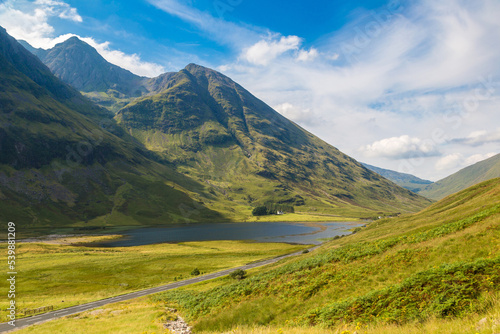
x=411, y=86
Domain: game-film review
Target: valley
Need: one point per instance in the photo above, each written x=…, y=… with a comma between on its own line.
x=142, y=194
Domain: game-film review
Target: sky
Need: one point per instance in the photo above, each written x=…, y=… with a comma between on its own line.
x=411, y=86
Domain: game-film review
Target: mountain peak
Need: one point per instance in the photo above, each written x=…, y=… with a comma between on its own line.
x=196, y=70
x=77, y=63
x=192, y=66
x=73, y=42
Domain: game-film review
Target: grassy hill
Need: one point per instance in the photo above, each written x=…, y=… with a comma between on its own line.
x=480, y=171
x=215, y=131
x=407, y=181
x=441, y=263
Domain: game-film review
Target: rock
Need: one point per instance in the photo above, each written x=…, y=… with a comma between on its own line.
x=178, y=326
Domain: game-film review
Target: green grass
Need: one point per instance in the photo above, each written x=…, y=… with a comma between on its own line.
x=131, y=317
x=143, y=315
x=62, y=275
x=440, y=263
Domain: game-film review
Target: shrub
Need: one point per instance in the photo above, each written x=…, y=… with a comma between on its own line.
x=238, y=274
x=195, y=272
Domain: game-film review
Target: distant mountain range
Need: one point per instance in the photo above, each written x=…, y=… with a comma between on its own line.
x=194, y=146
x=464, y=178
x=408, y=181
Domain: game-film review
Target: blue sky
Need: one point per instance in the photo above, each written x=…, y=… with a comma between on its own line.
x=406, y=85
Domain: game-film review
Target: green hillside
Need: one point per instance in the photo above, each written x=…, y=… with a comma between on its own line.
x=441, y=263
x=480, y=171
x=195, y=147
x=64, y=162
x=214, y=130
x=407, y=181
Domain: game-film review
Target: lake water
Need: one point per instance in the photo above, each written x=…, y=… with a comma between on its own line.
x=261, y=232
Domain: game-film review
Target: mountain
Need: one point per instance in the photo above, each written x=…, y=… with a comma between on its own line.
x=480, y=171
x=217, y=132
x=81, y=66
x=212, y=131
x=407, y=181
x=65, y=162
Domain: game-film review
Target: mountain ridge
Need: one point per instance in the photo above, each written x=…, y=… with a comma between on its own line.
x=464, y=178
x=202, y=112
x=65, y=162
x=407, y=181
x=241, y=152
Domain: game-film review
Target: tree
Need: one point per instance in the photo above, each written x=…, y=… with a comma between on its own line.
x=260, y=211
x=238, y=274
x=195, y=272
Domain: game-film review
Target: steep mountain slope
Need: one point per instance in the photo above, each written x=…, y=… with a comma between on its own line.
x=244, y=152
x=80, y=65
x=480, y=171
x=64, y=161
x=440, y=263
x=407, y=181
x=216, y=131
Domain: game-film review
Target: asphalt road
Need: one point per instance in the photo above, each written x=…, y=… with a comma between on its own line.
x=36, y=319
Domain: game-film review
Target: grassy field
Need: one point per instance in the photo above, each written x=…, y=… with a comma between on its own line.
x=442, y=263
x=143, y=315
x=432, y=272
x=131, y=317
x=65, y=275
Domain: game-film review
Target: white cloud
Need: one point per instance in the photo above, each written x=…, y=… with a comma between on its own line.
x=402, y=147
x=28, y=26
x=296, y=114
x=60, y=9
x=29, y=21
x=32, y=25
x=310, y=55
x=264, y=51
x=450, y=161
x=478, y=138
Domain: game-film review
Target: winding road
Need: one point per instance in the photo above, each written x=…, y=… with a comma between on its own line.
x=39, y=318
